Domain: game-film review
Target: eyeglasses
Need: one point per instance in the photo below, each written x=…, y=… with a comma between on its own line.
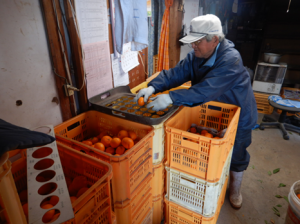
x=194, y=43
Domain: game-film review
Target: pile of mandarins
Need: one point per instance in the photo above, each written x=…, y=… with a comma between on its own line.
x=203, y=133
x=116, y=145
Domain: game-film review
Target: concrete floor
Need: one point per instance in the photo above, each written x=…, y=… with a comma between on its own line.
x=268, y=151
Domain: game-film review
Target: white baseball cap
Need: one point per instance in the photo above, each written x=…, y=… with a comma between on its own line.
x=202, y=26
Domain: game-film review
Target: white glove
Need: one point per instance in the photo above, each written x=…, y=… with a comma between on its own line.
x=146, y=92
x=160, y=102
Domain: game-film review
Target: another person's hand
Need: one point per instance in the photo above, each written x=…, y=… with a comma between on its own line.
x=160, y=102
x=146, y=92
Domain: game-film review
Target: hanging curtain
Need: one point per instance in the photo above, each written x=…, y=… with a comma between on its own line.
x=163, y=54
x=154, y=28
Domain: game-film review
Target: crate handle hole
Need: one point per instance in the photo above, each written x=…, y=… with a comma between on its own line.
x=188, y=180
x=214, y=108
x=71, y=127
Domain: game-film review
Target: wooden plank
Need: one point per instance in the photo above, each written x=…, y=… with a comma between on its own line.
x=76, y=58
x=67, y=104
x=175, y=30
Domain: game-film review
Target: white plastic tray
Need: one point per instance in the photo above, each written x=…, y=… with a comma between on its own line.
x=194, y=193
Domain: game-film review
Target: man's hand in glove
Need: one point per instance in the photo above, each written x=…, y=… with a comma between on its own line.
x=146, y=92
x=160, y=102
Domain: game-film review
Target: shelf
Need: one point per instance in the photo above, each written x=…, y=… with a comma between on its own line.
x=290, y=81
x=287, y=51
x=293, y=67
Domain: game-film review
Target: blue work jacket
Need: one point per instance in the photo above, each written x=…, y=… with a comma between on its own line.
x=221, y=78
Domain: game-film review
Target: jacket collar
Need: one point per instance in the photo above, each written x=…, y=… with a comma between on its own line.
x=211, y=61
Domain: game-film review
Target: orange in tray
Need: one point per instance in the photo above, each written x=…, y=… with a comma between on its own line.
x=78, y=183
x=132, y=135
x=94, y=140
x=127, y=142
x=141, y=101
x=99, y=146
x=120, y=150
x=208, y=135
x=298, y=195
x=87, y=142
x=115, y=142
x=122, y=134
x=106, y=140
x=193, y=130
x=110, y=150
x=203, y=132
x=102, y=133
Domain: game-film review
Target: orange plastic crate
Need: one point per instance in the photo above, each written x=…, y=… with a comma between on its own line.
x=206, y=157
x=158, y=209
x=11, y=210
x=158, y=179
x=129, y=169
x=134, y=211
x=149, y=218
x=177, y=214
x=94, y=206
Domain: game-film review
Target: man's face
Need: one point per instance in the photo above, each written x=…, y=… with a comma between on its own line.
x=204, y=49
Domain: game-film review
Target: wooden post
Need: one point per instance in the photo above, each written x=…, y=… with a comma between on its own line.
x=175, y=30
x=67, y=104
x=76, y=58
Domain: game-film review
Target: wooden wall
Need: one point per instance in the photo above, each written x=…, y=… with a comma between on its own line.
x=175, y=30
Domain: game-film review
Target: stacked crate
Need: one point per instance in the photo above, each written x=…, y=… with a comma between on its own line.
x=158, y=189
x=262, y=103
x=196, y=166
x=94, y=206
x=132, y=172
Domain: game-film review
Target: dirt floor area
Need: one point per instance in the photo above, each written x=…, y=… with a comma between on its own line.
x=268, y=151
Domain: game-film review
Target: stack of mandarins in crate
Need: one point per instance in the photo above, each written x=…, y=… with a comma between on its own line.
x=127, y=147
x=199, y=144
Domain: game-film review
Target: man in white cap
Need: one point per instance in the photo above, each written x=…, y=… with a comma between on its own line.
x=215, y=69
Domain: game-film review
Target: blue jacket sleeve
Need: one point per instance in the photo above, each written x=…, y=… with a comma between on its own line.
x=221, y=78
x=168, y=79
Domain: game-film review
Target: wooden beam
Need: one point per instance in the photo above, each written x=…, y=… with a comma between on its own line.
x=67, y=104
x=175, y=27
x=76, y=58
